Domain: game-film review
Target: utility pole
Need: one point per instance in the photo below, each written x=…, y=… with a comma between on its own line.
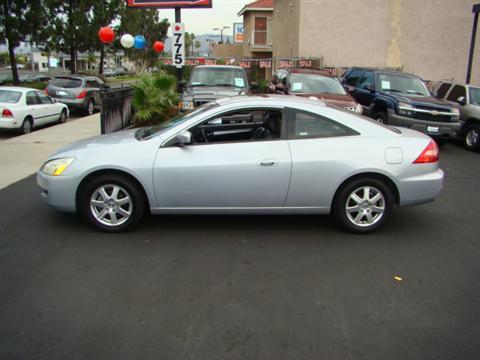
x=475, y=10
x=178, y=19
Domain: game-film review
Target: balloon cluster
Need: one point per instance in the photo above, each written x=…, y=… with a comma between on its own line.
x=107, y=35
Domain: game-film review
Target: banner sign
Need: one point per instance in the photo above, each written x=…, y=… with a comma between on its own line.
x=244, y=64
x=265, y=64
x=238, y=35
x=286, y=63
x=178, y=44
x=169, y=4
x=305, y=63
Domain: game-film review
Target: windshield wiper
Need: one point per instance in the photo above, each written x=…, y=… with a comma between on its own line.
x=231, y=85
x=393, y=90
x=199, y=85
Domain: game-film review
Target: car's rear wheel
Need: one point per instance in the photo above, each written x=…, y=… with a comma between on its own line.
x=471, y=139
x=63, y=117
x=27, y=126
x=380, y=116
x=112, y=203
x=363, y=204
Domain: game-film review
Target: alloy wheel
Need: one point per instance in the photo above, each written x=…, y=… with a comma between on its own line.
x=90, y=107
x=365, y=206
x=111, y=205
x=472, y=137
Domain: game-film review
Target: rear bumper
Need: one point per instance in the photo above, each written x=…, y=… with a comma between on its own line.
x=72, y=103
x=58, y=191
x=431, y=128
x=420, y=189
x=9, y=123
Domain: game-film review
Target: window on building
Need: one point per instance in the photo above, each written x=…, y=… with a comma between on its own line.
x=456, y=92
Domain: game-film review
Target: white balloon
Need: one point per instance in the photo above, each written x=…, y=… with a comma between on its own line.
x=127, y=41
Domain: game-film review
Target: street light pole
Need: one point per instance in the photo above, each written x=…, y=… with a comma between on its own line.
x=221, y=32
x=475, y=10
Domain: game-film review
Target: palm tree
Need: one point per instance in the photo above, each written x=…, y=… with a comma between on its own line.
x=197, y=46
x=192, y=42
x=155, y=98
x=91, y=59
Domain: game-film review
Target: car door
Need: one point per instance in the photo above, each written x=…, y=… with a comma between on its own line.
x=352, y=80
x=364, y=91
x=49, y=111
x=223, y=175
x=34, y=108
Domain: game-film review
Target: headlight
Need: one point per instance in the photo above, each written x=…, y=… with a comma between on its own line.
x=456, y=114
x=56, y=167
x=405, y=109
x=186, y=104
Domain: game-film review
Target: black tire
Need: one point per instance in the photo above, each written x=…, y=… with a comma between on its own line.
x=471, y=138
x=27, y=126
x=90, y=108
x=63, y=117
x=380, y=116
x=342, y=200
x=128, y=186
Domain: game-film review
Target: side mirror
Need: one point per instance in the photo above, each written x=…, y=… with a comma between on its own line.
x=461, y=100
x=254, y=85
x=182, y=139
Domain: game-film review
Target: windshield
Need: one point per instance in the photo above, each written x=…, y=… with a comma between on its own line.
x=8, y=96
x=404, y=84
x=218, y=77
x=146, y=132
x=66, y=82
x=475, y=96
x=314, y=83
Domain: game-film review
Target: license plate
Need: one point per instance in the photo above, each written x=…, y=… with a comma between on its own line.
x=432, y=129
x=60, y=92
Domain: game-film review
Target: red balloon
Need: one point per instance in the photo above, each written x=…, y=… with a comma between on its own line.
x=158, y=46
x=106, y=35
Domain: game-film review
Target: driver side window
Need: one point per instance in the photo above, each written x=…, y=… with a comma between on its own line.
x=239, y=126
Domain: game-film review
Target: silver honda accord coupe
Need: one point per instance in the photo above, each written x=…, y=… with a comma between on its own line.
x=246, y=155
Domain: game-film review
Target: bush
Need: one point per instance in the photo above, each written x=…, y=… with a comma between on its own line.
x=155, y=98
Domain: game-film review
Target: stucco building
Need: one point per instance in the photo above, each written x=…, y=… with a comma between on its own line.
x=257, y=28
x=430, y=38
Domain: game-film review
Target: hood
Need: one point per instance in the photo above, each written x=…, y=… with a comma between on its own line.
x=213, y=92
x=97, y=142
x=419, y=100
x=337, y=100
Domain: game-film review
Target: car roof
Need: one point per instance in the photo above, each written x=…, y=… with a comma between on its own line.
x=269, y=99
x=219, y=66
x=308, y=71
x=457, y=83
x=18, y=88
x=388, y=71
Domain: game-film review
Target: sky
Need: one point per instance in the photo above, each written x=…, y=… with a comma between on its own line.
x=202, y=21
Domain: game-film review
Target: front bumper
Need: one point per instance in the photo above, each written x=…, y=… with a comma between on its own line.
x=431, y=128
x=58, y=191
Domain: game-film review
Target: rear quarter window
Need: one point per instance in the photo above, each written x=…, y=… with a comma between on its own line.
x=68, y=83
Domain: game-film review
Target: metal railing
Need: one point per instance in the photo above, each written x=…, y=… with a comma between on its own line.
x=117, y=113
x=260, y=38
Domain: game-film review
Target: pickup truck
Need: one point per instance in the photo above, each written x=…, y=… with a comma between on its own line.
x=400, y=99
x=467, y=99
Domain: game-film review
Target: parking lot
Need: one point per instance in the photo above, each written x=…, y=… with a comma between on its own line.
x=244, y=287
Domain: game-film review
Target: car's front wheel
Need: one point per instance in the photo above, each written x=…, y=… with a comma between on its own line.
x=112, y=203
x=363, y=205
x=380, y=116
x=471, y=139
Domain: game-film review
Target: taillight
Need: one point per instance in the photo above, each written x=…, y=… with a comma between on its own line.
x=7, y=113
x=82, y=94
x=429, y=154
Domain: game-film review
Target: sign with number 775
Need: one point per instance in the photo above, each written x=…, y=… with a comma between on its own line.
x=178, y=44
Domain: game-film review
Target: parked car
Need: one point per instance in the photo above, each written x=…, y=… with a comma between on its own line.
x=5, y=78
x=467, y=99
x=77, y=92
x=396, y=98
x=23, y=109
x=294, y=155
x=29, y=78
x=210, y=82
x=312, y=83
x=114, y=72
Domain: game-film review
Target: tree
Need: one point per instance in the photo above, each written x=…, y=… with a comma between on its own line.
x=13, y=28
x=103, y=13
x=144, y=22
x=197, y=46
x=188, y=43
x=70, y=27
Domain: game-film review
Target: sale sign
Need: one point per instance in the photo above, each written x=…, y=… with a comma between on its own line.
x=178, y=44
x=169, y=4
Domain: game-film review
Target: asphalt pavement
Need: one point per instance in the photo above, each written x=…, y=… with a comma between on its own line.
x=244, y=287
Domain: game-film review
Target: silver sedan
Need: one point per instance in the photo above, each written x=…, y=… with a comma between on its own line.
x=247, y=155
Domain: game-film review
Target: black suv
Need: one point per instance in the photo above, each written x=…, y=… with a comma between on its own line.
x=400, y=99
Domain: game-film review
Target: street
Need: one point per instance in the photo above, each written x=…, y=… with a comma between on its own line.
x=244, y=287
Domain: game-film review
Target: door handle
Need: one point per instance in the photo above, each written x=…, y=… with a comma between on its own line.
x=267, y=162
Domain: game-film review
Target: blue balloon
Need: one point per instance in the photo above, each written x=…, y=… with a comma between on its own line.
x=139, y=42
